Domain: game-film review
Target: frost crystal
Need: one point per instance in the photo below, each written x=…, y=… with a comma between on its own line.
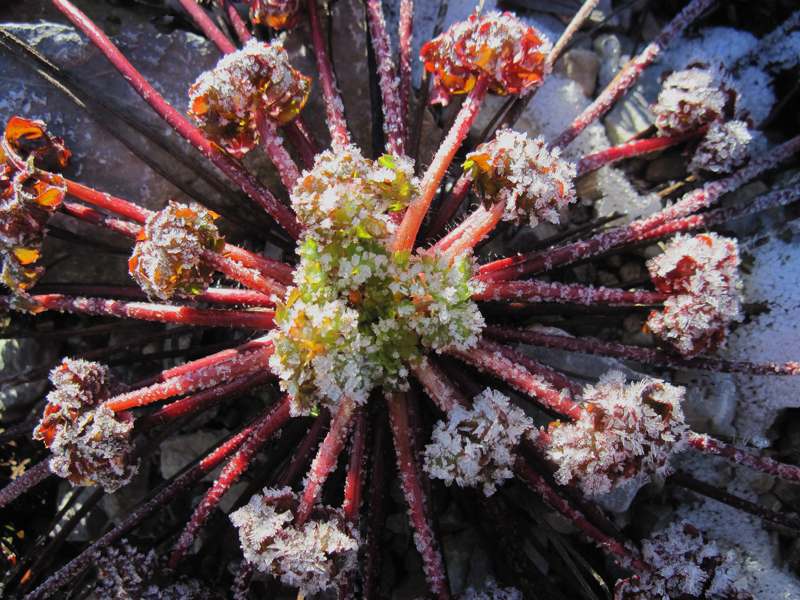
x=278, y=14
x=255, y=79
x=313, y=557
x=625, y=433
x=725, y=147
x=513, y=56
x=477, y=447
x=360, y=311
x=683, y=565
x=533, y=182
x=90, y=443
x=702, y=272
x=126, y=574
x=492, y=591
x=166, y=259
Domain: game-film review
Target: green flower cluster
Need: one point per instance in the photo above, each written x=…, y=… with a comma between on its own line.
x=361, y=312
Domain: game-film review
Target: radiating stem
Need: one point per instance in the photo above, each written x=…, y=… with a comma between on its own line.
x=25, y=482
x=233, y=16
x=407, y=232
x=204, y=22
x=249, y=277
x=224, y=296
x=89, y=215
x=471, y=231
x=574, y=25
x=541, y=291
x=354, y=481
x=404, y=62
x=376, y=510
x=758, y=463
x=273, y=144
x=449, y=207
x=437, y=385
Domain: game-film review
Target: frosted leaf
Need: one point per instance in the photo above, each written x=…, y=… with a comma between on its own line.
x=124, y=573
x=278, y=14
x=477, y=447
x=513, y=56
x=725, y=147
x=533, y=182
x=625, y=434
x=90, y=443
x=166, y=261
x=702, y=271
x=695, y=97
x=315, y=556
x=258, y=78
x=492, y=591
x=684, y=565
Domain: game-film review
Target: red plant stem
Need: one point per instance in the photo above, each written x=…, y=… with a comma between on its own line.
x=103, y=200
x=195, y=474
x=340, y=137
x=394, y=123
x=766, y=465
x=174, y=119
x=302, y=455
x=244, y=577
x=376, y=510
x=536, y=387
x=238, y=272
x=226, y=296
x=711, y=491
x=438, y=387
x=89, y=215
x=594, y=161
x=273, y=144
x=272, y=419
x=354, y=482
x=424, y=538
x=161, y=313
x=204, y=22
x=25, y=482
x=300, y=141
x=643, y=355
x=631, y=73
x=449, y=206
x=326, y=458
x=541, y=291
x=202, y=376
x=574, y=25
x=552, y=498
x=233, y=16
x=471, y=231
x=277, y=270
x=404, y=63
x=407, y=232
x=203, y=400
x=537, y=262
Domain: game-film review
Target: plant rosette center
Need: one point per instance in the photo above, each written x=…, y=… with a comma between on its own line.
x=360, y=312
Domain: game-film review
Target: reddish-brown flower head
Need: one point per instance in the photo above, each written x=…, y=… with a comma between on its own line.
x=278, y=14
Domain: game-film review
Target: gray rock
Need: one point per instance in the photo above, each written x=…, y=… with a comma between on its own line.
x=458, y=550
x=710, y=401
x=17, y=356
x=582, y=67
x=666, y=168
x=178, y=451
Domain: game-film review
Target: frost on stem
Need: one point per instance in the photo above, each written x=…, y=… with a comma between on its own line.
x=492, y=591
x=314, y=556
x=278, y=14
x=26, y=204
x=90, y=443
x=124, y=573
x=533, y=182
x=625, y=433
x=166, y=261
x=258, y=78
x=702, y=272
x=477, y=446
x=683, y=565
x=360, y=311
x=513, y=56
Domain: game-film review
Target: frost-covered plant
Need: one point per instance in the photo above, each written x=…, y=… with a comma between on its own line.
x=90, y=443
x=314, y=556
x=476, y=447
x=625, y=434
x=702, y=273
x=724, y=147
x=278, y=14
x=683, y=565
x=492, y=591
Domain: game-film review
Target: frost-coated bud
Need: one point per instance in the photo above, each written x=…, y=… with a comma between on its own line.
x=683, y=564
x=492, y=591
x=477, y=447
x=513, y=56
x=312, y=557
x=90, y=443
x=625, y=434
x=725, y=147
x=278, y=14
x=166, y=261
x=258, y=78
x=702, y=272
x=533, y=182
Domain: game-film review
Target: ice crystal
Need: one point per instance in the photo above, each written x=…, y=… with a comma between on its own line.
x=278, y=14
x=312, y=557
x=256, y=79
x=124, y=573
x=360, y=311
x=477, y=447
x=533, y=182
x=683, y=566
x=511, y=55
x=166, y=261
x=702, y=272
x=492, y=591
x=725, y=147
x=90, y=443
x=625, y=433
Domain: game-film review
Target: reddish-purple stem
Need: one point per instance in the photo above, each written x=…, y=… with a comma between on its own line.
x=541, y=291
x=438, y=387
x=376, y=510
x=404, y=63
x=233, y=16
x=224, y=296
x=631, y=73
x=25, y=482
x=758, y=463
x=103, y=200
x=89, y=215
x=273, y=144
x=353, y=486
x=471, y=231
x=302, y=455
x=301, y=143
x=449, y=206
x=207, y=26
x=574, y=25
x=252, y=278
